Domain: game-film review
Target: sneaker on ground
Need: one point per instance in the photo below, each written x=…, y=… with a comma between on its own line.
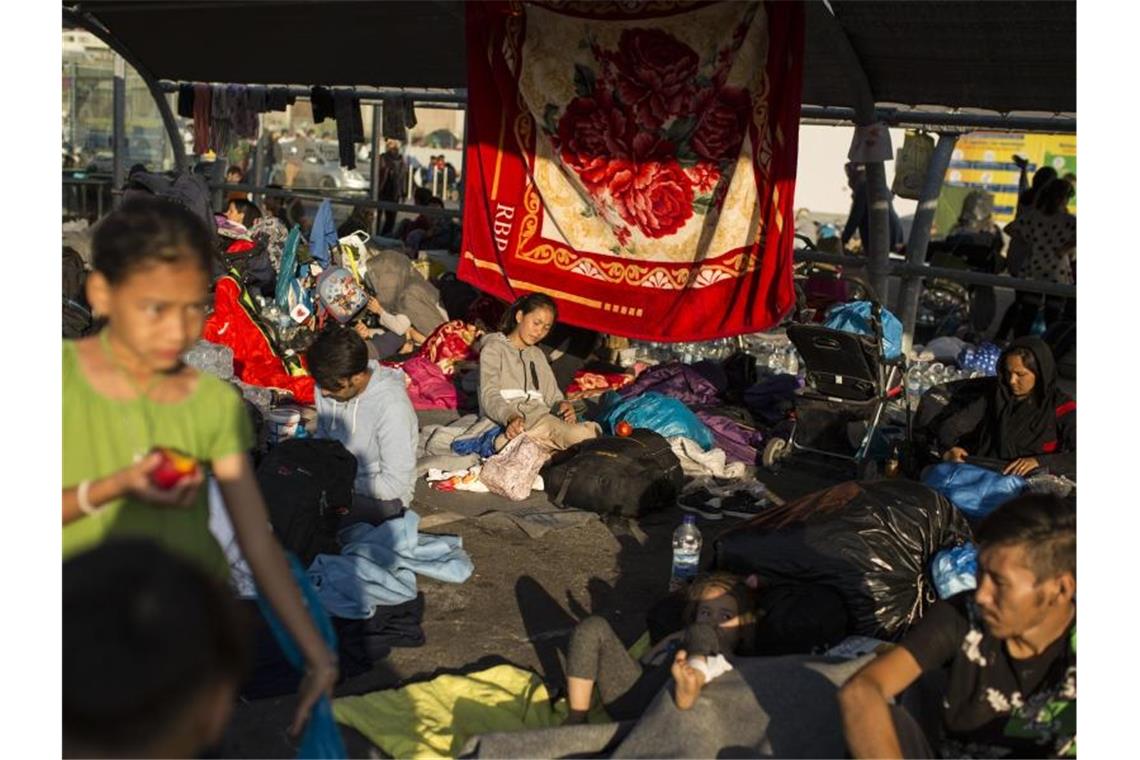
x=743, y=504
x=707, y=507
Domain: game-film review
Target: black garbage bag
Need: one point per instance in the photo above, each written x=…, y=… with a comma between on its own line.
x=800, y=618
x=870, y=541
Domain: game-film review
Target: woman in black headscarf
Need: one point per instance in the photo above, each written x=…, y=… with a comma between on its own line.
x=1023, y=421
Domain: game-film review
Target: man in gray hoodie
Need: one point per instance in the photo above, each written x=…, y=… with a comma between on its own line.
x=365, y=406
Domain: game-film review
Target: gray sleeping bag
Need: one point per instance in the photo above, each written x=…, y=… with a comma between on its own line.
x=765, y=707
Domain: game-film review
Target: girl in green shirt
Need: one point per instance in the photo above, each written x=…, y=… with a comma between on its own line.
x=126, y=391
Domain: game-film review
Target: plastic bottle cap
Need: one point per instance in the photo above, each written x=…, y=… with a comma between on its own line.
x=689, y=520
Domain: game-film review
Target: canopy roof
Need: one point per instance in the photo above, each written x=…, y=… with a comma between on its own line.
x=1002, y=55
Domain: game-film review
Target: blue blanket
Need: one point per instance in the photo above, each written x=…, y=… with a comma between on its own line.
x=378, y=565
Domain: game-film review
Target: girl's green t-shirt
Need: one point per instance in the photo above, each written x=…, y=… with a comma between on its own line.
x=102, y=436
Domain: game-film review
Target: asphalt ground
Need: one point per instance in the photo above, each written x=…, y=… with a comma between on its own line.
x=523, y=599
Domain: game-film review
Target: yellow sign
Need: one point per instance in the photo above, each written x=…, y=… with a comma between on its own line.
x=984, y=160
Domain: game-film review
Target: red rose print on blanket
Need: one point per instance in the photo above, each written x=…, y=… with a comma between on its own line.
x=723, y=122
x=591, y=133
x=656, y=197
x=655, y=74
x=704, y=176
x=652, y=135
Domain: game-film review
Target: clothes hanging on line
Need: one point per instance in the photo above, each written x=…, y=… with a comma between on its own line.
x=186, y=100
x=321, y=99
x=349, y=126
x=202, y=95
x=394, y=120
x=243, y=119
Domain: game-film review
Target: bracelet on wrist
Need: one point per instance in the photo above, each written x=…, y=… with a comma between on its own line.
x=82, y=495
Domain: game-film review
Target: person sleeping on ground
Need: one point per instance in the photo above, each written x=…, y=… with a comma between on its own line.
x=517, y=388
x=720, y=622
x=1023, y=420
x=366, y=407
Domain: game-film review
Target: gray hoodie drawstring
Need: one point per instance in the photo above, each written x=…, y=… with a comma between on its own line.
x=355, y=409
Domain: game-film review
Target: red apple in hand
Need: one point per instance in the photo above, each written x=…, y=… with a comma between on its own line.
x=624, y=429
x=173, y=469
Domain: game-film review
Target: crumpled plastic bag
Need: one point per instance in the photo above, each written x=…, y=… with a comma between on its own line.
x=855, y=317
x=512, y=471
x=321, y=739
x=983, y=358
x=955, y=570
x=974, y=490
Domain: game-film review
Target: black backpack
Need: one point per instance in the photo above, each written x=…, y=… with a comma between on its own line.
x=630, y=477
x=307, y=485
x=255, y=269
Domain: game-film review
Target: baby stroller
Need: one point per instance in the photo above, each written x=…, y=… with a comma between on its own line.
x=849, y=384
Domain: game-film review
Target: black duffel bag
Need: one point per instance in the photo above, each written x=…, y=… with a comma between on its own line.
x=631, y=477
x=872, y=542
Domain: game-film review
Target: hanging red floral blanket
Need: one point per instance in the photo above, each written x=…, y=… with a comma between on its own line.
x=636, y=161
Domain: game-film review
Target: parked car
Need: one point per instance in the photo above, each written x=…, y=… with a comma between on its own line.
x=321, y=169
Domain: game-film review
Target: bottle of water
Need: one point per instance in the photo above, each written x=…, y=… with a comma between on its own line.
x=914, y=386
x=686, y=552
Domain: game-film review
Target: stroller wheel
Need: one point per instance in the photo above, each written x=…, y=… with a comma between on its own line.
x=775, y=451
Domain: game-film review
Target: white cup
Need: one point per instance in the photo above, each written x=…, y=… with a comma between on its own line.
x=282, y=423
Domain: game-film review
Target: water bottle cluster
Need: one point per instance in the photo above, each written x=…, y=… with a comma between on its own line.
x=921, y=376
x=217, y=360
x=212, y=359
x=771, y=350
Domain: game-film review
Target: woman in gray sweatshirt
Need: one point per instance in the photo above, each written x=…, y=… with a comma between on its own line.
x=517, y=388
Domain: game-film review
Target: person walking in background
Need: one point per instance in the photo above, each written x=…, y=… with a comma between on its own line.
x=859, y=219
x=393, y=182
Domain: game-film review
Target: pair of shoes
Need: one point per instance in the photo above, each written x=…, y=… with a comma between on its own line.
x=743, y=504
x=703, y=503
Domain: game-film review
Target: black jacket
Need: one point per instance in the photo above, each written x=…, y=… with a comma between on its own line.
x=994, y=426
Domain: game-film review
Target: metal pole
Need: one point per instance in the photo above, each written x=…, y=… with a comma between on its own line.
x=463, y=165
x=915, y=118
x=255, y=169
x=879, y=220
x=118, y=124
x=438, y=98
x=374, y=183
x=72, y=99
x=920, y=233
x=966, y=276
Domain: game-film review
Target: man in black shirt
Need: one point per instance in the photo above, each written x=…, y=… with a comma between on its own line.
x=1010, y=647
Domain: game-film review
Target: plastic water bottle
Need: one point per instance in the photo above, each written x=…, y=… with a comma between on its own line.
x=914, y=382
x=686, y=552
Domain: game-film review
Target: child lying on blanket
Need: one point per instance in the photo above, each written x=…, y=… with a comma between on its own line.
x=720, y=617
